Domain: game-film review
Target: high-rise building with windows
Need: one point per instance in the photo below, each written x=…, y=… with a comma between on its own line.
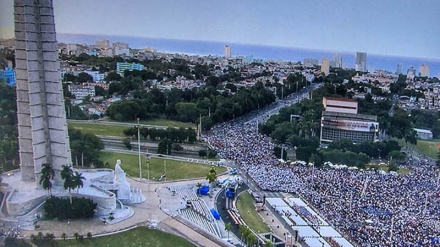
x=337, y=61
x=120, y=45
x=411, y=73
x=228, y=51
x=105, y=43
x=424, y=70
x=361, y=62
x=399, y=69
x=325, y=66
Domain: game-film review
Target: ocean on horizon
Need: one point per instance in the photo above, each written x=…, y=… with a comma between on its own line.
x=205, y=48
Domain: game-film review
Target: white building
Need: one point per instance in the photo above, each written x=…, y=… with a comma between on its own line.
x=81, y=92
x=228, y=51
x=361, y=62
x=325, y=66
x=424, y=134
x=424, y=70
x=121, y=51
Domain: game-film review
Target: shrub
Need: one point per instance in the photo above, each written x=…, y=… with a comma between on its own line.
x=61, y=208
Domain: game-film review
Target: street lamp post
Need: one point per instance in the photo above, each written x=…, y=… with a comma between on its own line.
x=139, y=149
x=148, y=167
x=165, y=169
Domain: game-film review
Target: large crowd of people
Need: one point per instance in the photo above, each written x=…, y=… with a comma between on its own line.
x=368, y=207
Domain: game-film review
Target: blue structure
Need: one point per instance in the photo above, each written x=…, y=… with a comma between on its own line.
x=230, y=192
x=215, y=214
x=8, y=74
x=121, y=67
x=204, y=190
x=233, y=171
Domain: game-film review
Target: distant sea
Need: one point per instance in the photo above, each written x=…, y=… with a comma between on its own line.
x=383, y=62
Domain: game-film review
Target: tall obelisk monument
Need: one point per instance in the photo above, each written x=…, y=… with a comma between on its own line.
x=42, y=127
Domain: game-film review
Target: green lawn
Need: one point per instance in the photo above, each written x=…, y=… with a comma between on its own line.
x=169, y=123
x=114, y=130
x=99, y=129
x=246, y=208
x=428, y=148
x=175, y=169
x=141, y=236
x=161, y=122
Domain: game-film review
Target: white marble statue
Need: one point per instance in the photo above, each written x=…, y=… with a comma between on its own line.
x=123, y=188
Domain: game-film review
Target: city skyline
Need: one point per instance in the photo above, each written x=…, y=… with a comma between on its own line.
x=387, y=28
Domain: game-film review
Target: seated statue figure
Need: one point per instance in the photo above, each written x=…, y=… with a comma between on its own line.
x=122, y=186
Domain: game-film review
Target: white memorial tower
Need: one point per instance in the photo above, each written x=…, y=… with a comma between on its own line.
x=42, y=127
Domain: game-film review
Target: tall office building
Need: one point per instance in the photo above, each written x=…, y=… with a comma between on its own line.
x=120, y=45
x=337, y=60
x=424, y=70
x=42, y=126
x=325, y=66
x=105, y=43
x=411, y=73
x=228, y=51
x=399, y=69
x=361, y=62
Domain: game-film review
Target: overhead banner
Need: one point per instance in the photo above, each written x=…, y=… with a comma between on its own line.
x=362, y=126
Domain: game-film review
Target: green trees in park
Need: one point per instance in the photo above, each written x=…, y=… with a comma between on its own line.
x=60, y=208
x=202, y=153
x=47, y=174
x=228, y=228
x=179, y=135
x=212, y=176
x=113, y=76
x=189, y=105
x=8, y=126
x=72, y=180
x=85, y=148
x=83, y=77
x=246, y=235
x=164, y=146
x=401, y=126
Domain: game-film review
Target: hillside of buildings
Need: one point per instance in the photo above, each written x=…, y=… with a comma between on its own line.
x=124, y=84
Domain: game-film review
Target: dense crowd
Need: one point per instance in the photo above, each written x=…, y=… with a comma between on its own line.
x=370, y=208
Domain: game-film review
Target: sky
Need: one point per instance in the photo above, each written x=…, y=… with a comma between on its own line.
x=408, y=28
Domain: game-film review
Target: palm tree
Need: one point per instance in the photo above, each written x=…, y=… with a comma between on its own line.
x=47, y=173
x=67, y=175
x=228, y=228
x=198, y=185
x=77, y=180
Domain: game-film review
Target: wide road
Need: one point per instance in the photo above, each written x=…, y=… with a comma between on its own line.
x=102, y=122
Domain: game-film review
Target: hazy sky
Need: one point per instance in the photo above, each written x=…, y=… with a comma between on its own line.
x=391, y=27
